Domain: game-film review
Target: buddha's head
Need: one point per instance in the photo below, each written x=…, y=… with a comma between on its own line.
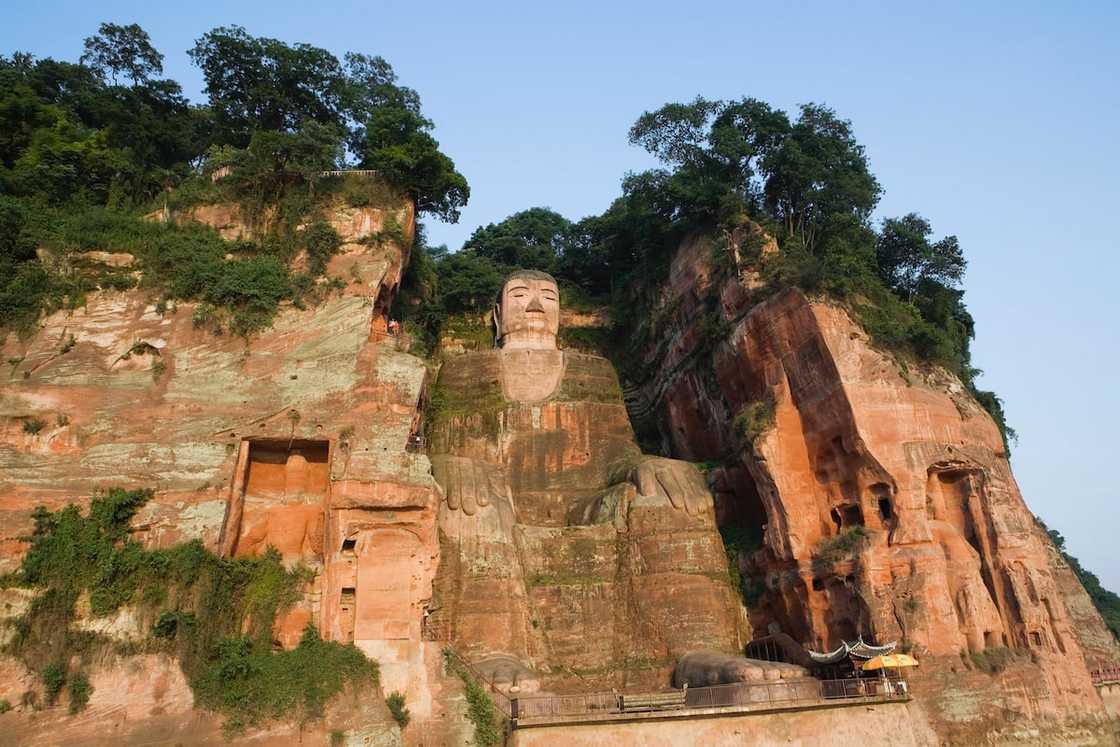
x=528, y=311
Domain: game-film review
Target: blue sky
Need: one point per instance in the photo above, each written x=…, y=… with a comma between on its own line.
x=997, y=123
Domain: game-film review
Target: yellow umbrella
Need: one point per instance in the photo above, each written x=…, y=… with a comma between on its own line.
x=890, y=661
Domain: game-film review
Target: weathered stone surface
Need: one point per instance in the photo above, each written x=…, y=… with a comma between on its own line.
x=889, y=725
x=951, y=561
x=295, y=439
x=564, y=548
x=555, y=555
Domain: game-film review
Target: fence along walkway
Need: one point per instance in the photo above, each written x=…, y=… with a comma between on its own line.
x=345, y=172
x=714, y=700
x=1109, y=676
x=544, y=710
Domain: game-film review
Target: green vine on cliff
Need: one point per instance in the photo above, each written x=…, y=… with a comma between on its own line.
x=754, y=419
x=216, y=615
x=737, y=542
x=489, y=725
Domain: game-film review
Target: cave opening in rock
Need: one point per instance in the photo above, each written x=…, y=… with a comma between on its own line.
x=853, y=516
x=741, y=519
x=886, y=513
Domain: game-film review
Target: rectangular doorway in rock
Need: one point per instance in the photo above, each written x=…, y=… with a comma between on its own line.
x=347, y=603
x=278, y=498
x=288, y=469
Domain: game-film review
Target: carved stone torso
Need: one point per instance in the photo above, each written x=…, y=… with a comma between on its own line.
x=552, y=421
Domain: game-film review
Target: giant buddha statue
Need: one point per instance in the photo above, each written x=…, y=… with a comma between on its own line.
x=564, y=548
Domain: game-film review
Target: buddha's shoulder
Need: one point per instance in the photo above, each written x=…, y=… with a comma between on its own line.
x=472, y=368
x=588, y=363
x=589, y=378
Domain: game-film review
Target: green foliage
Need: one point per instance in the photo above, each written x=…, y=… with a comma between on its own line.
x=54, y=678
x=594, y=340
x=994, y=406
x=906, y=258
x=122, y=49
x=252, y=288
x=252, y=684
x=807, y=183
x=842, y=546
x=1106, y=602
x=80, y=690
x=739, y=541
x=74, y=142
x=188, y=263
x=5, y=706
x=488, y=729
x=260, y=85
x=276, y=164
x=323, y=243
x=395, y=702
x=532, y=239
x=993, y=660
x=469, y=282
x=216, y=614
x=489, y=726
x=754, y=419
x=33, y=426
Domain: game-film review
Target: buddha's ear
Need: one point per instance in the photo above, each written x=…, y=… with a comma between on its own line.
x=496, y=323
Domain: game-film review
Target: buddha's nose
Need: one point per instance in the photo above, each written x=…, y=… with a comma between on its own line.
x=535, y=305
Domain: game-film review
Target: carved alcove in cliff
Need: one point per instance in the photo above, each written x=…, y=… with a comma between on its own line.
x=278, y=498
x=954, y=508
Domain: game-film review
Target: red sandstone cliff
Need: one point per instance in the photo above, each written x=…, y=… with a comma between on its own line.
x=295, y=439
x=298, y=439
x=887, y=499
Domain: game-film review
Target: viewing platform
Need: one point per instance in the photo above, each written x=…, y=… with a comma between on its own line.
x=714, y=701
x=738, y=699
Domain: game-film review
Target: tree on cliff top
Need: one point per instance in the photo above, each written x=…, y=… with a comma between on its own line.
x=735, y=158
x=531, y=239
x=261, y=84
x=122, y=49
x=907, y=259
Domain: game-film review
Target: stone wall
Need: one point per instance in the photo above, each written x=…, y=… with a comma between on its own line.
x=885, y=725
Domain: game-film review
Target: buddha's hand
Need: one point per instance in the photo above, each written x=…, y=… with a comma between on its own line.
x=678, y=481
x=467, y=484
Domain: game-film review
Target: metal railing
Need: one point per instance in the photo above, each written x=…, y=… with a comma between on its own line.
x=402, y=341
x=740, y=696
x=501, y=700
x=345, y=172
x=545, y=706
x=1105, y=675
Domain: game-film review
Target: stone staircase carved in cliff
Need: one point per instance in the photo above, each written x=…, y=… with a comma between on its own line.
x=638, y=406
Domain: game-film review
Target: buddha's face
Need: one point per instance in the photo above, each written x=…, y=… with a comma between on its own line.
x=529, y=314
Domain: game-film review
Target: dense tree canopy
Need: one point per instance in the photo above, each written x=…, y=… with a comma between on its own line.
x=117, y=50
x=108, y=134
x=266, y=85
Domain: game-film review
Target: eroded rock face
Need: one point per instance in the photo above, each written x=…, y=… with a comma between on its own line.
x=295, y=439
x=563, y=547
x=888, y=504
